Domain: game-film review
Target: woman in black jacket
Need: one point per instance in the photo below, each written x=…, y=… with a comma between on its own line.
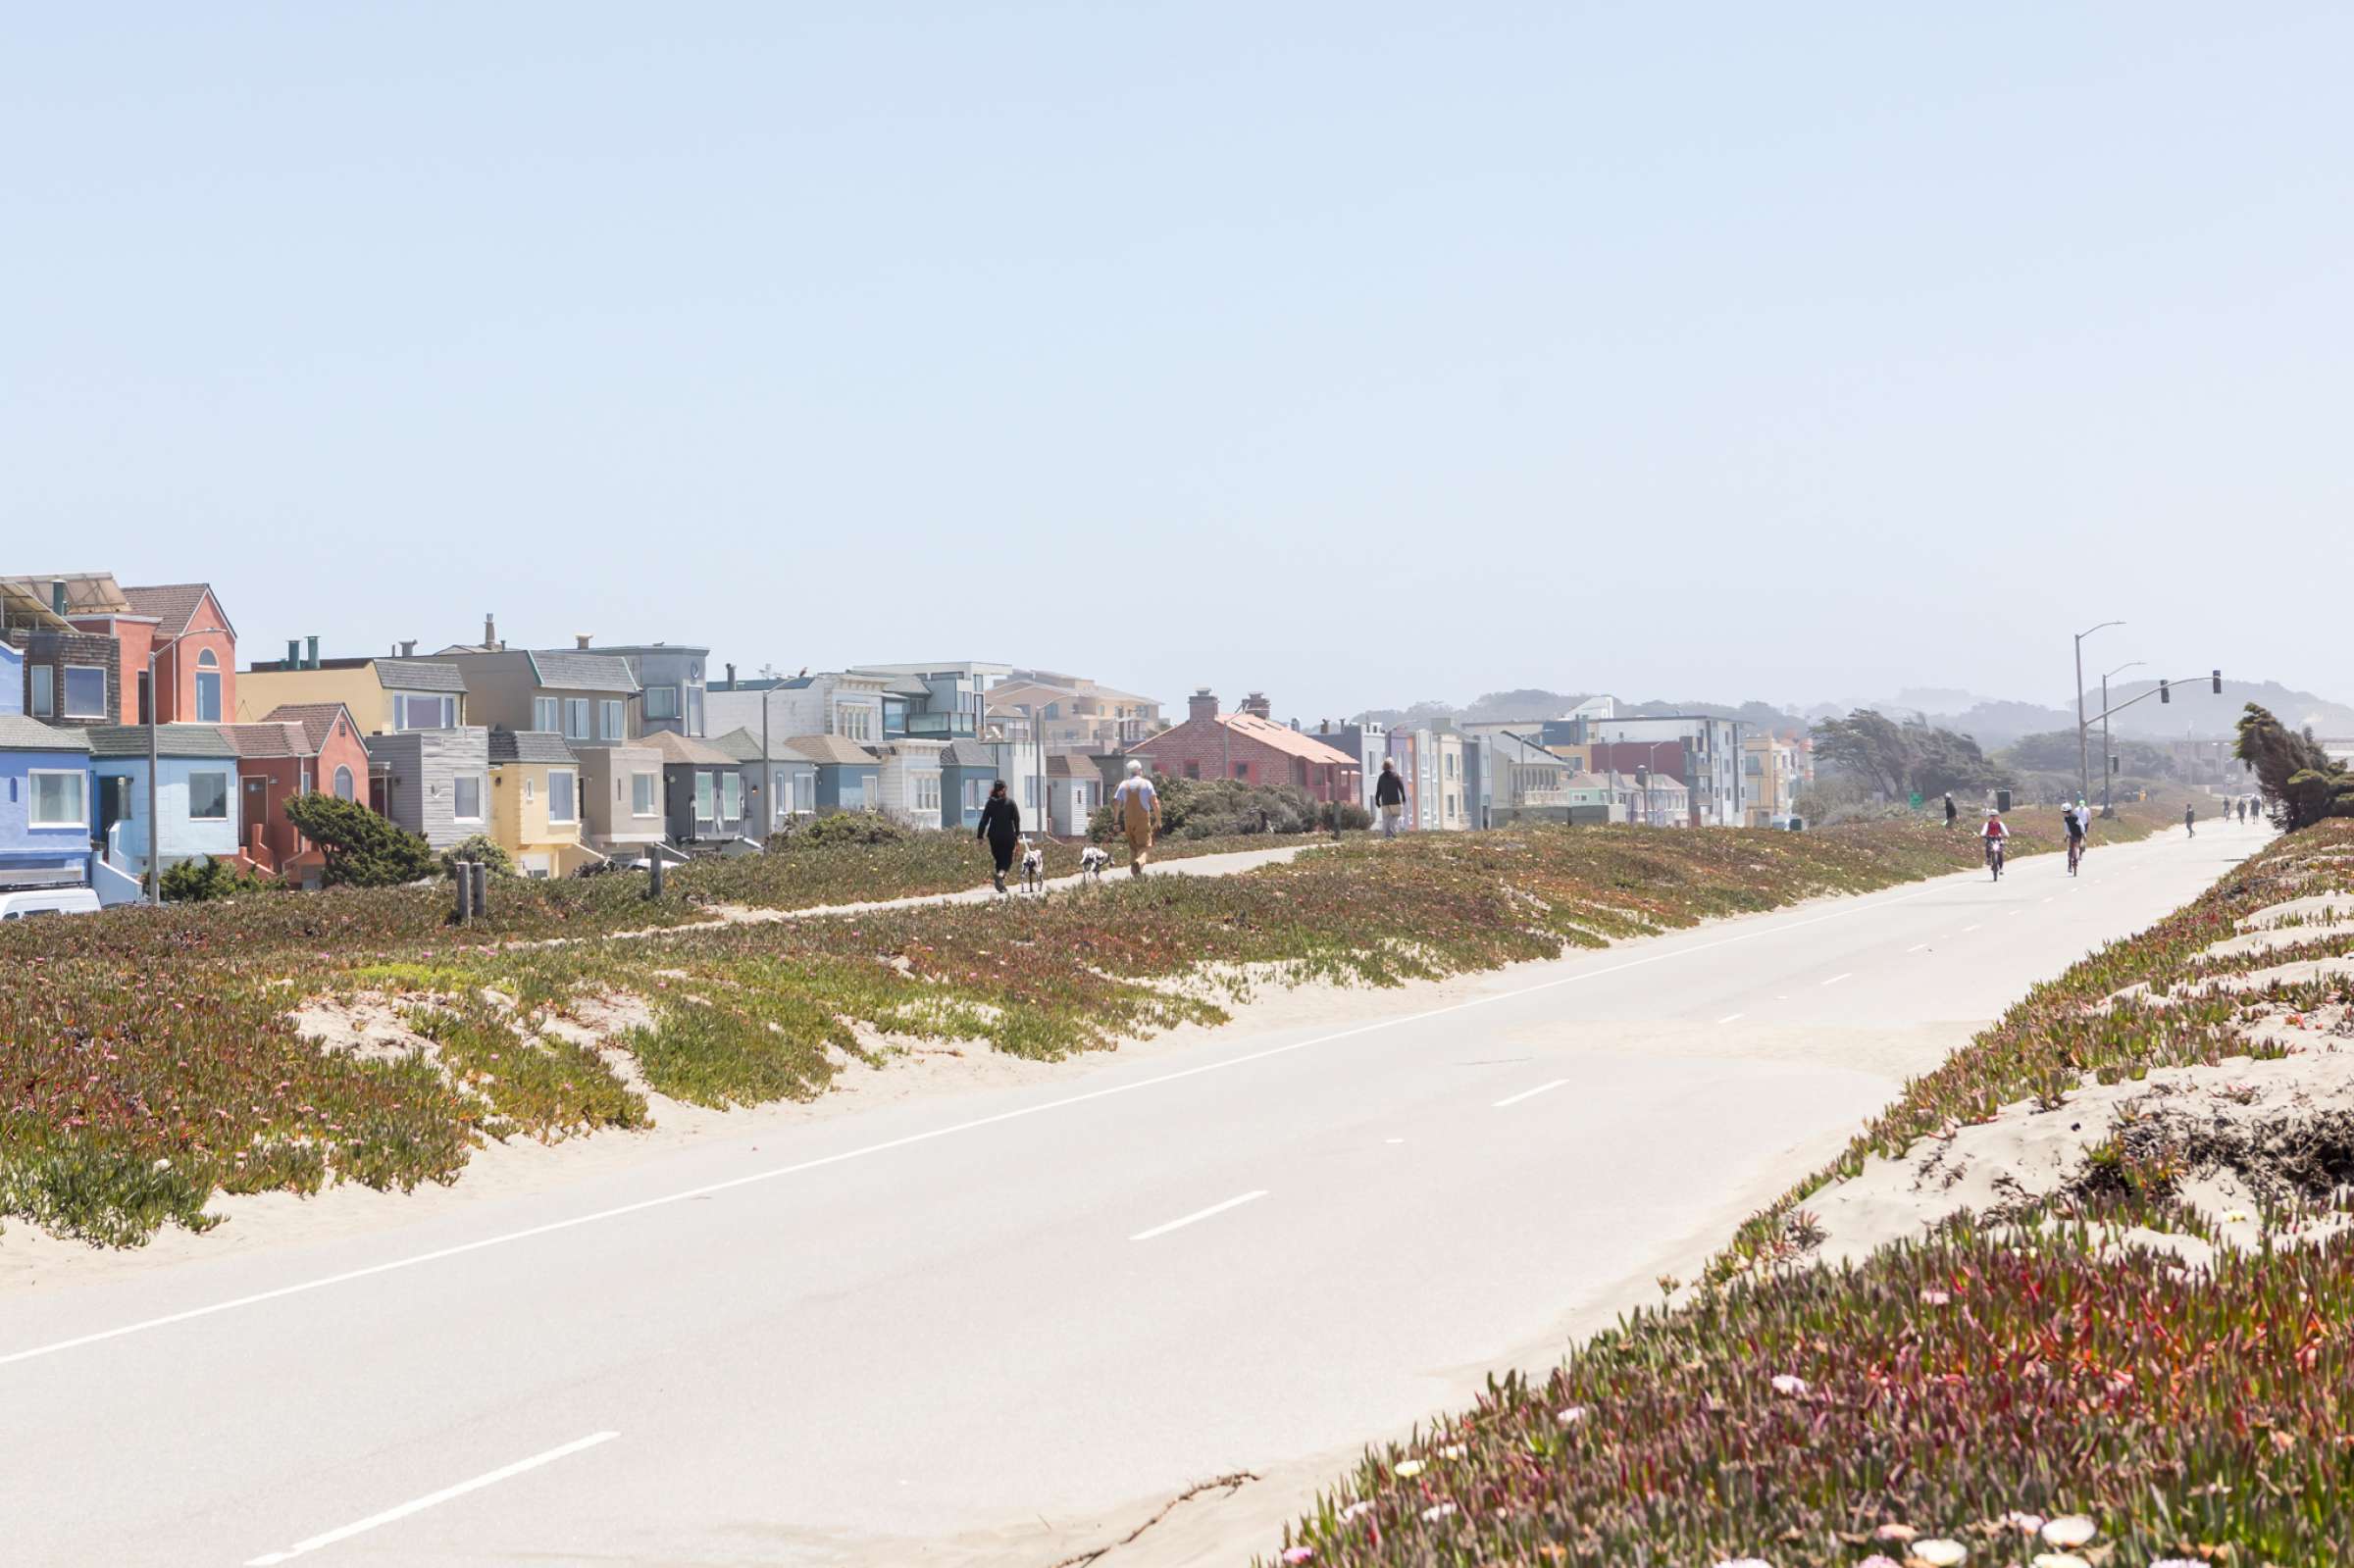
x=1001, y=825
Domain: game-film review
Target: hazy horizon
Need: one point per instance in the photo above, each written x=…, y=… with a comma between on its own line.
x=1360, y=355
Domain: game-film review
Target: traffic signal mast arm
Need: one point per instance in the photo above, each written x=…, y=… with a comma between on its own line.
x=2161, y=691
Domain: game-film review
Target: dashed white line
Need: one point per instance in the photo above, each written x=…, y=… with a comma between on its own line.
x=1917, y=947
x=1527, y=1094
x=430, y=1501
x=1198, y=1214
x=1967, y=930
x=1730, y=1017
x=1836, y=979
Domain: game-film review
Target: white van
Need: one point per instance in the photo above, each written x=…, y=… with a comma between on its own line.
x=48, y=901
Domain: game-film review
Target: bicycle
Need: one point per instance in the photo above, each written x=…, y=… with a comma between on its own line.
x=1994, y=857
x=2075, y=852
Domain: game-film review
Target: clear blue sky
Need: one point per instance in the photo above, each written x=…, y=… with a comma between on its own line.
x=1362, y=353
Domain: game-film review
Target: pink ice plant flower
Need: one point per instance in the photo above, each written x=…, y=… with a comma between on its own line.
x=1298, y=1553
x=1569, y=1415
x=1789, y=1383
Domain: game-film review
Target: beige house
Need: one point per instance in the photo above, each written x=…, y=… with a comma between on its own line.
x=589, y=698
x=1070, y=713
x=535, y=805
x=386, y=696
x=621, y=800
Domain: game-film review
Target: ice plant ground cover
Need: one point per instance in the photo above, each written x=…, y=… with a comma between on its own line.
x=152, y=1058
x=2054, y=1389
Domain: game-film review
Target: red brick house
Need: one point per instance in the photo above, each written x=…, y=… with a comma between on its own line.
x=1251, y=747
x=299, y=748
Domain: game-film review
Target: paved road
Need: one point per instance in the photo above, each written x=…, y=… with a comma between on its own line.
x=985, y=1330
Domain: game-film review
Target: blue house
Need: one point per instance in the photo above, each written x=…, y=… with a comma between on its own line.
x=46, y=792
x=848, y=776
x=196, y=793
x=967, y=769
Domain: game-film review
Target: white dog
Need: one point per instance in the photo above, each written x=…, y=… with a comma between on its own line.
x=1093, y=861
x=1033, y=868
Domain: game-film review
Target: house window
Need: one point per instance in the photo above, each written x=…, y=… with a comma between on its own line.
x=617, y=721
x=560, y=796
x=1030, y=791
x=413, y=712
x=645, y=797
x=702, y=797
x=576, y=718
x=60, y=800
x=780, y=799
x=44, y=691
x=86, y=692
x=927, y=791
x=208, y=797
x=695, y=708
x=853, y=791
x=1192, y=770
x=208, y=688
x=731, y=797
x=546, y=714
x=527, y=797
x=345, y=786
x=661, y=702
x=858, y=724
x=976, y=793
x=1242, y=771
x=466, y=798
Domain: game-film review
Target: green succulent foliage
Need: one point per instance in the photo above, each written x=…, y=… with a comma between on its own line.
x=480, y=847
x=194, y=881
x=361, y=848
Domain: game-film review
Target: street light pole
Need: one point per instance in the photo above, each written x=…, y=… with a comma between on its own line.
x=155, y=837
x=2083, y=740
x=2108, y=767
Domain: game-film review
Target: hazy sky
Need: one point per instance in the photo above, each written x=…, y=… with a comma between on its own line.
x=1362, y=353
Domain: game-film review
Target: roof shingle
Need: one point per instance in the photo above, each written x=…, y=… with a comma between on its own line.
x=679, y=748
x=270, y=738
x=172, y=604
x=564, y=670
x=531, y=745
x=315, y=719
x=830, y=748
x=419, y=675
x=20, y=734
x=170, y=740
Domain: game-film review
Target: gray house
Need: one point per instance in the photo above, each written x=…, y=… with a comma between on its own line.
x=434, y=783
x=776, y=787
x=589, y=698
x=703, y=790
x=670, y=680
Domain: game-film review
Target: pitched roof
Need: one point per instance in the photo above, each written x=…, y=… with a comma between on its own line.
x=170, y=740
x=678, y=748
x=172, y=604
x=740, y=743
x=20, y=734
x=419, y=675
x=1068, y=765
x=314, y=717
x=967, y=754
x=530, y=745
x=1281, y=737
x=270, y=738
x=828, y=748
x=567, y=670
x=905, y=685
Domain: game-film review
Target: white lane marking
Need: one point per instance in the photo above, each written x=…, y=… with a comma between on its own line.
x=1729, y=1017
x=431, y=1500
x=1198, y=1214
x=1531, y=1093
x=2018, y=911
x=2049, y=899
x=1917, y=947
x=1836, y=979
x=887, y=1145
x=1967, y=930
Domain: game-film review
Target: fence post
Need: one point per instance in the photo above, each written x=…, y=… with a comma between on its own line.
x=653, y=867
x=482, y=890
x=462, y=872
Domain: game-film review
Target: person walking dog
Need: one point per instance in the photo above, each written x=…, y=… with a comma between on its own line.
x=1136, y=811
x=1389, y=795
x=1001, y=825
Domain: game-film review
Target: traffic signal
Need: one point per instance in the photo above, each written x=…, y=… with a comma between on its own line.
x=2117, y=764
x=2164, y=696
x=2002, y=800
x=2218, y=680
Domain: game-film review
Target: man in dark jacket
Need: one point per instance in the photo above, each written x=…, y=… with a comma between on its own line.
x=1389, y=796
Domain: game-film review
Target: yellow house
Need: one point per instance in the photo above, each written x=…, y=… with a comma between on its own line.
x=536, y=803
x=385, y=695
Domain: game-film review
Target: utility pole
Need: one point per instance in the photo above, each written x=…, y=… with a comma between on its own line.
x=2108, y=767
x=2083, y=738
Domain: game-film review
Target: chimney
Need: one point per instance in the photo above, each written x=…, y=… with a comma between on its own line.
x=730, y=678
x=1257, y=704
x=490, y=632
x=314, y=652
x=294, y=653
x=408, y=648
x=56, y=594
x=1202, y=705
x=579, y=640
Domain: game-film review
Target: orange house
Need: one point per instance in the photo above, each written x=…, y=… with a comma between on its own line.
x=299, y=748
x=196, y=671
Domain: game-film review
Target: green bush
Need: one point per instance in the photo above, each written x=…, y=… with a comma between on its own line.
x=193, y=882
x=361, y=848
x=1219, y=808
x=483, y=848
x=838, y=829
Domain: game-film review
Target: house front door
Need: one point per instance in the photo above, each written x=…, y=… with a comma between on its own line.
x=257, y=804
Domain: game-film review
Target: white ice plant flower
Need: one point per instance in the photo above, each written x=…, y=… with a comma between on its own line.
x=2069, y=1529
x=1436, y=1511
x=1569, y=1415
x=1407, y=1467
x=1940, y=1552
x=2060, y=1559
x=1789, y=1383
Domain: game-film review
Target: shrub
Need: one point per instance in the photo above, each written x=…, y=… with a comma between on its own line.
x=1218, y=808
x=838, y=829
x=193, y=882
x=361, y=848
x=483, y=848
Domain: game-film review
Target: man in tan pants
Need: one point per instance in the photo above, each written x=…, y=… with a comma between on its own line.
x=1136, y=808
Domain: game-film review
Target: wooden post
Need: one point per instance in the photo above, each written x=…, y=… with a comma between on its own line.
x=653, y=867
x=482, y=889
x=463, y=871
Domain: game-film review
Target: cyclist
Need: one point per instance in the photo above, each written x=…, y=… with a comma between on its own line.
x=2073, y=818
x=1994, y=833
